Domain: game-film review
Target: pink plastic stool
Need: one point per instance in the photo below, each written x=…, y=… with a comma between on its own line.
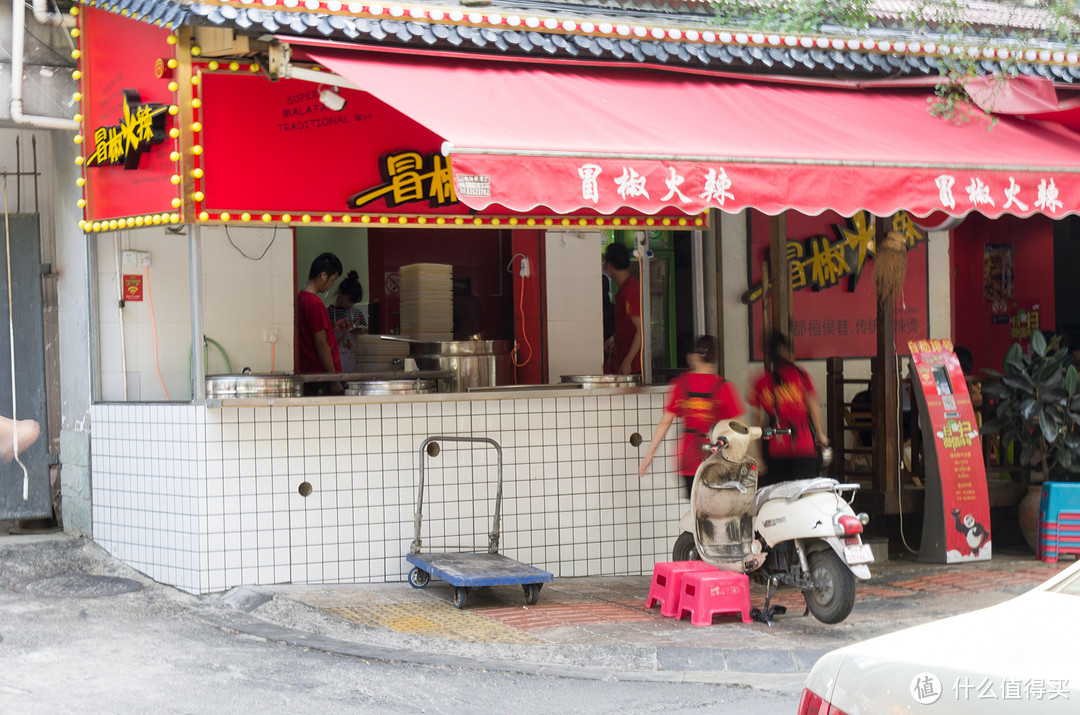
x=707, y=593
x=667, y=581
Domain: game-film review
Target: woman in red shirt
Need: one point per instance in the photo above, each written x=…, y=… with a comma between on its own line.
x=787, y=399
x=701, y=397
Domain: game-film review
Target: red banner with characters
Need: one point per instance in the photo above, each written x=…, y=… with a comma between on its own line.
x=831, y=262
x=125, y=101
x=956, y=521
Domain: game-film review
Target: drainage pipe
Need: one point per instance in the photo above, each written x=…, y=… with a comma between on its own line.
x=18, y=48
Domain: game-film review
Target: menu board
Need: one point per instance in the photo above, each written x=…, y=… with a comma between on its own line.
x=956, y=519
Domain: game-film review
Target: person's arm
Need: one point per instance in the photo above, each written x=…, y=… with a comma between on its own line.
x=658, y=436
x=326, y=359
x=814, y=408
x=635, y=347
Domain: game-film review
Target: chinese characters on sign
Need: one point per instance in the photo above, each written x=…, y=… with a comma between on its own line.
x=142, y=126
x=630, y=184
x=978, y=194
x=408, y=176
x=1024, y=323
x=819, y=263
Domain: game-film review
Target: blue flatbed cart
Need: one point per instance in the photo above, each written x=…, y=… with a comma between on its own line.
x=465, y=570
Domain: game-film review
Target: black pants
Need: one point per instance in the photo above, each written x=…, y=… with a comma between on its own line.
x=785, y=469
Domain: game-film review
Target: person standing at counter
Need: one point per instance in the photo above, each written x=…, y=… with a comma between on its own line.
x=701, y=397
x=345, y=314
x=628, y=335
x=316, y=345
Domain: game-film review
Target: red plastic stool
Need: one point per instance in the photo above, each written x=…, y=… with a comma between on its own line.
x=667, y=581
x=707, y=593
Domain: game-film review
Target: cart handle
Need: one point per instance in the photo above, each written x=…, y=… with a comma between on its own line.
x=493, y=537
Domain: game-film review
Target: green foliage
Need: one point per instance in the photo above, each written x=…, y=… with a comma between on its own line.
x=945, y=22
x=1039, y=406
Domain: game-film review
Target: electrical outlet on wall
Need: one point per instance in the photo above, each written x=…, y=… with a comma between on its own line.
x=269, y=335
x=144, y=258
x=524, y=267
x=129, y=258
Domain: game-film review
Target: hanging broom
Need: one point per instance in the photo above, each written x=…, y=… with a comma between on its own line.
x=890, y=266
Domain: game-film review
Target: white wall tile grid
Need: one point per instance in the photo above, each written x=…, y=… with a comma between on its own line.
x=208, y=498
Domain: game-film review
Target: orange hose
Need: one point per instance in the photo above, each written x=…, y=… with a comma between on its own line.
x=153, y=321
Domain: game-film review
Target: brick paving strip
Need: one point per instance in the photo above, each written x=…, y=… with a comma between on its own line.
x=515, y=624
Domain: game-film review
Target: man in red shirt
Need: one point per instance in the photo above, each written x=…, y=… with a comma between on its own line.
x=628, y=335
x=316, y=346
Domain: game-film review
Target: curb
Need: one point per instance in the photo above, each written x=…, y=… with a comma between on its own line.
x=782, y=670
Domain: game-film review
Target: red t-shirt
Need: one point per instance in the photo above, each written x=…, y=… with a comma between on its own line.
x=627, y=306
x=311, y=317
x=701, y=400
x=785, y=404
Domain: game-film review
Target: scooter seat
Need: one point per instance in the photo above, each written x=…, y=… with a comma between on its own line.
x=790, y=491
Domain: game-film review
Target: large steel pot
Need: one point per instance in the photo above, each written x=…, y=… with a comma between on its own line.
x=390, y=387
x=595, y=381
x=475, y=363
x=253, y=385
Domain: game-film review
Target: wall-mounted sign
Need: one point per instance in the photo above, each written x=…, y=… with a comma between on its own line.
x=998, y=264
x=409, y=176
x=141, y=126
x=1023, y=323
x=133, y=287
x=819, y=262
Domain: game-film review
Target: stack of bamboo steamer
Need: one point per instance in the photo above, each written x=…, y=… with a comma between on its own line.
x=427, y=302
x=370, y=353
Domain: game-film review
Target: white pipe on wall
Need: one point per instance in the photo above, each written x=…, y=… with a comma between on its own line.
x=18, y=48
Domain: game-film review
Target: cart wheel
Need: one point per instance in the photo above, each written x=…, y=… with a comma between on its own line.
x=419, y=578
x=461, y=595
x=532, y=593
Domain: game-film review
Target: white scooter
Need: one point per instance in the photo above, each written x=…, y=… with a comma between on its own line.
x=801, y=533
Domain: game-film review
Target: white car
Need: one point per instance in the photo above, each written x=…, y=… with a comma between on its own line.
x=1018, y=657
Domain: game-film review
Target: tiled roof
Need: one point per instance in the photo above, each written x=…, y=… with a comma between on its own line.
x=618, y=40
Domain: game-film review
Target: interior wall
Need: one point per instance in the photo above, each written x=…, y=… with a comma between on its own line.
x=574, y=286
x=243, y=299
x=976, y=326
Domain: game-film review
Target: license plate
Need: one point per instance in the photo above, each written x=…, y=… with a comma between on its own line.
x=858, y=554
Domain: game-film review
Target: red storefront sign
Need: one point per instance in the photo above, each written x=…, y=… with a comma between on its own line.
x=831, y=263
x=956, y=521
x=125, y=107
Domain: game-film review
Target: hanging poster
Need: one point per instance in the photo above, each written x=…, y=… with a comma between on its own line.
x=998, y=272
x=956, y=518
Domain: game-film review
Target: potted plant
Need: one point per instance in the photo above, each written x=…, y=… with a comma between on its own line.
x=1038, y=412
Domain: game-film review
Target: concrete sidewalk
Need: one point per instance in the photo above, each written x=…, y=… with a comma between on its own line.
x=599, y=627
x=585, y=628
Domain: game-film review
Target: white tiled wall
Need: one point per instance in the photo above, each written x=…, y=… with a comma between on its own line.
x=207, y=498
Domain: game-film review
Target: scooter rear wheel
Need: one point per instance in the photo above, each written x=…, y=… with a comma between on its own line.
x=685, y=548
x=833, y=594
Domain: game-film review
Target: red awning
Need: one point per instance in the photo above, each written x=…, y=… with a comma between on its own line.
x=527, y=135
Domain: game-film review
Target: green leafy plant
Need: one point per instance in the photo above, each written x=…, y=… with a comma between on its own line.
x=1038, y=406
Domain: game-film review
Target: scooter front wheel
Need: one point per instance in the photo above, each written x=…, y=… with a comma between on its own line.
x=833, y=594
x=685, y=548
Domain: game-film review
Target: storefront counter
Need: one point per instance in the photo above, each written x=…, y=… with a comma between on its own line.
x=324, y=489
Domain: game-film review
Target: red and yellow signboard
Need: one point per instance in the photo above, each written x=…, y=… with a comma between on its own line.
x=956, y=521
x=127, y=153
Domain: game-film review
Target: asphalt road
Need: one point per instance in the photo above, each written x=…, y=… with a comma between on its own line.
x=160, y=650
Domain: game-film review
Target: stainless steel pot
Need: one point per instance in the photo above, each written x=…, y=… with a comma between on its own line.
x=595, y=381
x=475, y=363
x=252, y=385
x=390, y=387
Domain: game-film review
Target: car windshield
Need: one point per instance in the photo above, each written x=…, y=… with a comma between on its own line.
x=1069, y=585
